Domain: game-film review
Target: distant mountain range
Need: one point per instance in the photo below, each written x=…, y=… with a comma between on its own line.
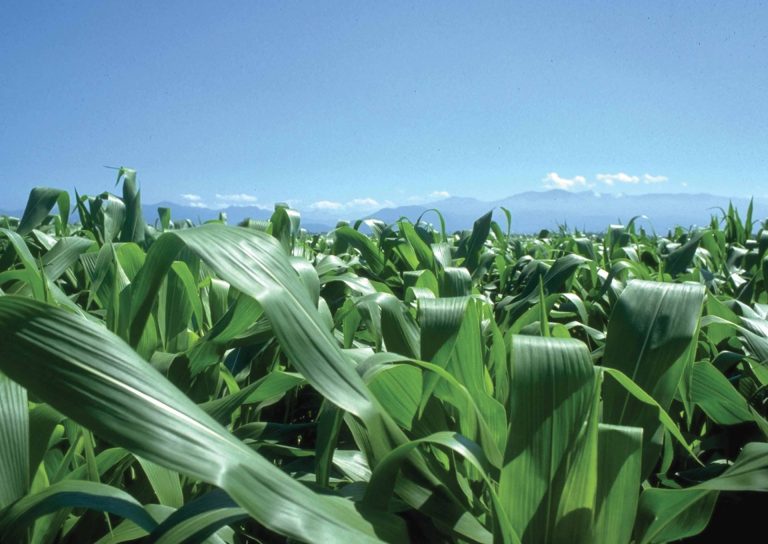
x=586, y=210
x=531, y=211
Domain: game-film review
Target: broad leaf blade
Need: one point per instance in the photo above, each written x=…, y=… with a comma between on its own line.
x=552, y=396
x=95, y=378
x=618, y=483
x=14, y=441
x=650, y=335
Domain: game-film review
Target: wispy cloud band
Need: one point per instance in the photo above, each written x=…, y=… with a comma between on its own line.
x=553, y=180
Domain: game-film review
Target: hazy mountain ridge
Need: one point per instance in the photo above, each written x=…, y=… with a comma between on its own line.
x=531, y=211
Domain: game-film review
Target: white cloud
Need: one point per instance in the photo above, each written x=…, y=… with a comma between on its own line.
x=434, y=195
x=326, y=205
x=621, y=177
x=363, y=203
x=553, y=180
x=237, y=198
x=193, y=201
x=684, y=184
x=647, y=178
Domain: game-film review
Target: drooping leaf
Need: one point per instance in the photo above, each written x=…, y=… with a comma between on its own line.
x=618, y=483
x=672, y=514
x=95, y=378
x=650, y=337
x=551, y=428
x=68, y=494
x=14, y=441
x=39, y=204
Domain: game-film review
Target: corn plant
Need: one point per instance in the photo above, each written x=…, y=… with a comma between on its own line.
x=176, y=382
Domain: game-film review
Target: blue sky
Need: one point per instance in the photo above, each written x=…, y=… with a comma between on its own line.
x=348, y=105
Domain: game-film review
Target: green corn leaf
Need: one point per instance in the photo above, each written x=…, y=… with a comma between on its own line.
x=383, y=479
x=551, y=453
x=198, y=519
x=133, y=227
x=95, y=378
x=165, y=483
x=14, y=442
x=70, y=494
x=618, y=483
x=39, y=204
x=650, y=336
x=672, y=514
x=714, y=394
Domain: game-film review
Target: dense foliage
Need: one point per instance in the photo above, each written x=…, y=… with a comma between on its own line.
x=169, y=382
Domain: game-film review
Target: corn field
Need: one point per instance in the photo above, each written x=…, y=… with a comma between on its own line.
x=166, y=382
